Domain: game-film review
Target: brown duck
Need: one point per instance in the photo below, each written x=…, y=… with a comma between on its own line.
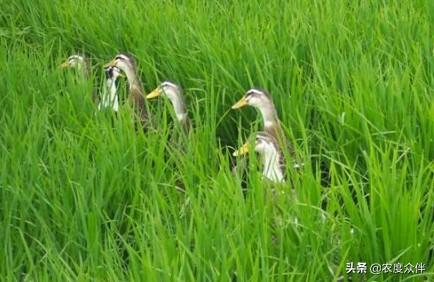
x=127, y=64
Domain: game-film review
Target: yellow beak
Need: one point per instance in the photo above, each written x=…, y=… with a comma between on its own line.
x=154, y=93
x=242, y=151
x=241, y=103
x=64, y=65
x=111, y=64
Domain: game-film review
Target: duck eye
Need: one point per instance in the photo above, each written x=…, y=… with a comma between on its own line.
x=252, y=93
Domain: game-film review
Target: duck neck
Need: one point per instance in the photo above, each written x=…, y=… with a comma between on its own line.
x=269, y=115
x=133, y=81
x=84, y=68
x=110, y=99
x=179, y=107
x=113, y=94
x=272, y=169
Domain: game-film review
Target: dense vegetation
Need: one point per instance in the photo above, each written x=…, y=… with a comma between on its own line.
x=84, y=196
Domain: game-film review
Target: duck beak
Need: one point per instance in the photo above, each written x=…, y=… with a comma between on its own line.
x=154, y=93
x=242, y=151
x=111, y=64
x=241, y=103
x=64, y=65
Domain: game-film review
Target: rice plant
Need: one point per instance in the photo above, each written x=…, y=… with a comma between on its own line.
x=86, y=196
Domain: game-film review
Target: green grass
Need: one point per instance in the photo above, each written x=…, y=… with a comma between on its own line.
x=83, y=196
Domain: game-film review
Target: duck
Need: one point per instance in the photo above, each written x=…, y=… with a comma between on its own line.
x=175, y=94
x=267, y=147
x=83, y=66
x=79, y=62
x=261, y=100
x=110, y=99
x=127, y=64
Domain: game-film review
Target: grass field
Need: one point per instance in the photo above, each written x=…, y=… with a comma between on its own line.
x=85, y=197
